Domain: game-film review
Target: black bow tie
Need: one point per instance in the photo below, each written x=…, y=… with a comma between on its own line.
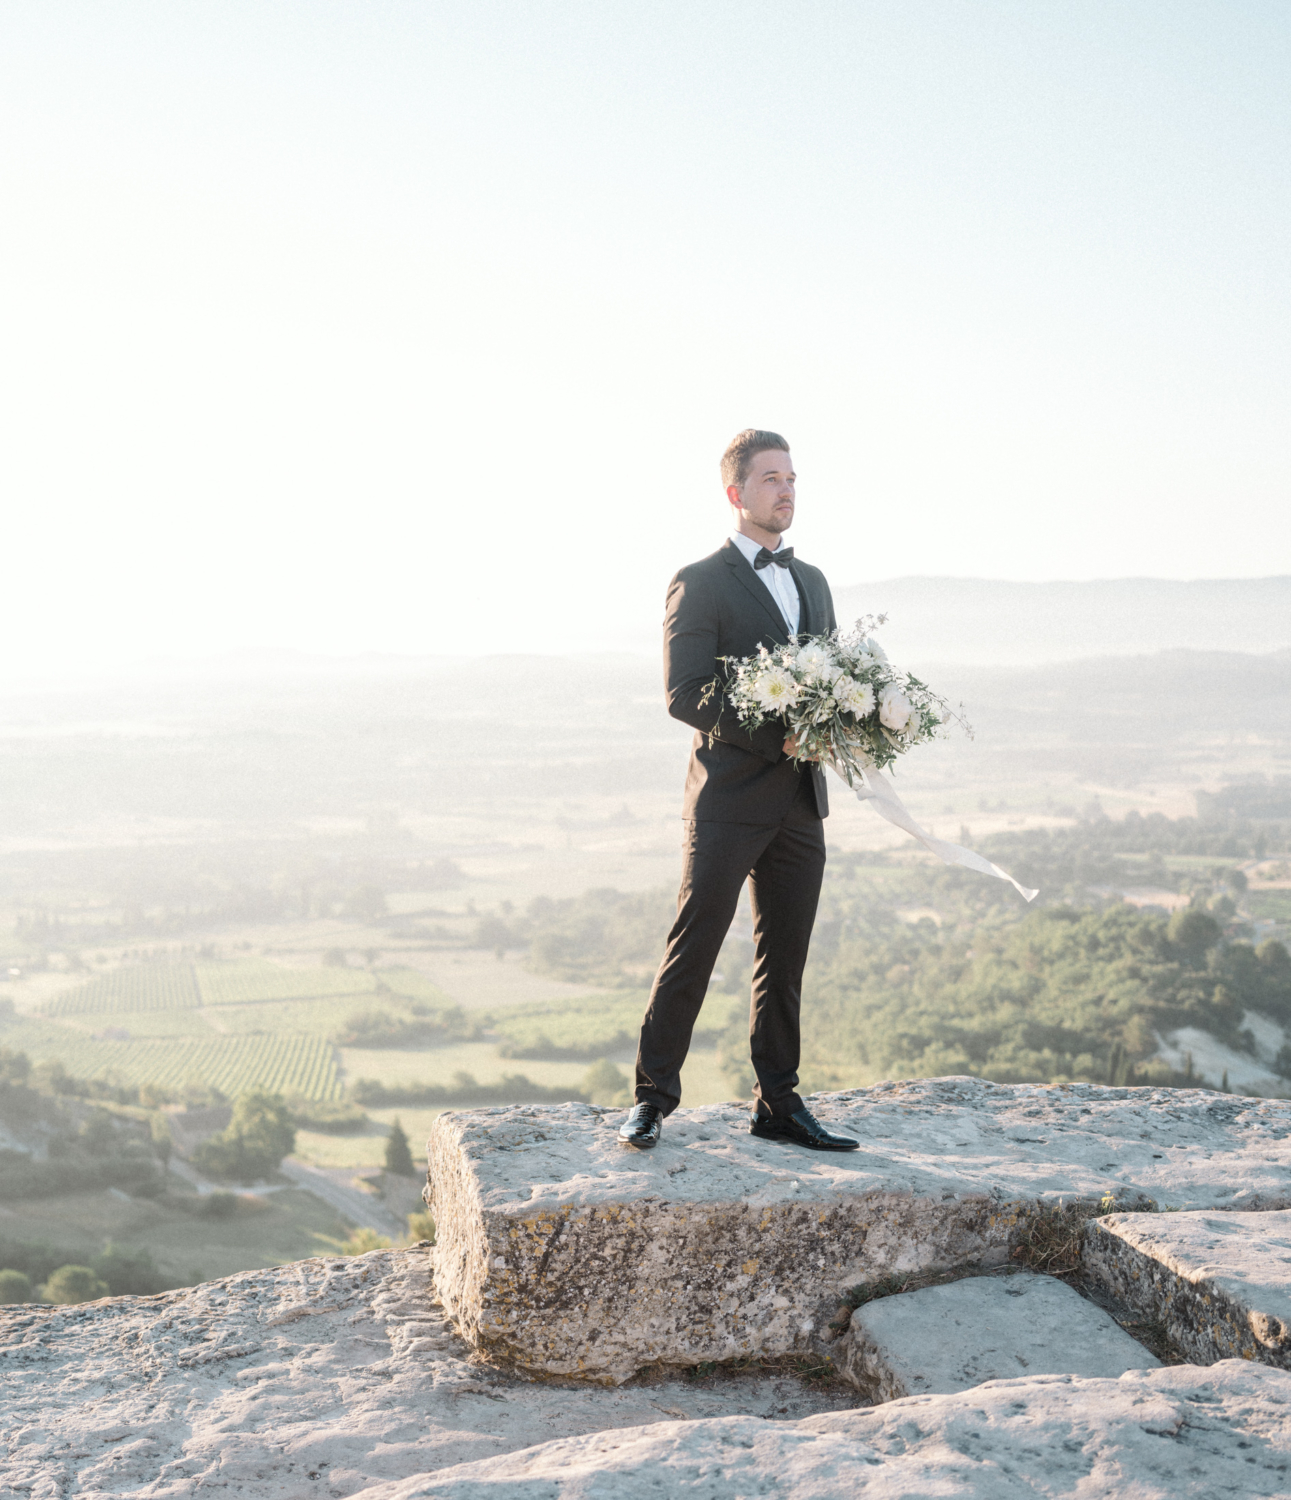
x=765, y=558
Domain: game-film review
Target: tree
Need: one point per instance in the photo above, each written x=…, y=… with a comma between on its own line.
x=604, y=1084
x=14, y=1287
x=257, y=1138
x=363, y=1240
x=73, y=1284
x=1193, y=932
x=421, y=1228
x=162, y=1140
x=398, y=1157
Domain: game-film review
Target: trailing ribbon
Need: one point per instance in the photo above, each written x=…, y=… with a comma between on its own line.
x=888, y=805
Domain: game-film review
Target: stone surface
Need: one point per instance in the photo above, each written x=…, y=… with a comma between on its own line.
x=1219, y=1282
x=309, y=1380
x=948, y=1338
x=1175, y=1434
x=567, y=1253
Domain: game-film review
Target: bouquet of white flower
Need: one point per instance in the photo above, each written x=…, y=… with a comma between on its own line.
x=846, y=705
x=839, y=697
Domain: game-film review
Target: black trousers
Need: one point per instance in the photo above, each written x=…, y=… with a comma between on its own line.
x=784, y=864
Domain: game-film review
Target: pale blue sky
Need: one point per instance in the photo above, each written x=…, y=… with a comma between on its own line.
x=412, y=327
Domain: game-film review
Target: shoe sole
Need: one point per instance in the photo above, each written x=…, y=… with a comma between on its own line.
x=639, y=1145
x=793, y=1140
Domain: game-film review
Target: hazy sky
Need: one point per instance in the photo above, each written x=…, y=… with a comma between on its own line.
x=421, y=326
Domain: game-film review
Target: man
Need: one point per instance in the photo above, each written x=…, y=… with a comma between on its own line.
x=751, y=813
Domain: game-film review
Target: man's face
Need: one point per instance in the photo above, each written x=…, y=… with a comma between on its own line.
x=767, y=495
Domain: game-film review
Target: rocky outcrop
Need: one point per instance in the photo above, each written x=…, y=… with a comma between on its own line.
x=1220, y=1284
x=948, y=1338
x=315, y=1379
x=563, y=1253
x=1174, y=1434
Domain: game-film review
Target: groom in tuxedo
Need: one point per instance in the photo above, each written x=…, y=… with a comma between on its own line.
x=751, y=813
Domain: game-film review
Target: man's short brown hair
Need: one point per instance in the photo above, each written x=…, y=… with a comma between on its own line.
x=744, y=447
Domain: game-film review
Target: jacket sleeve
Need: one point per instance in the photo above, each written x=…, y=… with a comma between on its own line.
x=690, y=665
x=829, y=606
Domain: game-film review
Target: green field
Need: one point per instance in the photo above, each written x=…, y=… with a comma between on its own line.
x=313, y=1017
x=303, y=1065
x=246, y=981
x=232, y=1025
x=1270, y=906
x=140, y=989
x=159, y=987
x=265, y=1231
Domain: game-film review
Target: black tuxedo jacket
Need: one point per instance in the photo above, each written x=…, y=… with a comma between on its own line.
x=720, y=607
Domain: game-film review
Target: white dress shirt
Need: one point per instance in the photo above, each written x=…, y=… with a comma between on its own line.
x=777, y=579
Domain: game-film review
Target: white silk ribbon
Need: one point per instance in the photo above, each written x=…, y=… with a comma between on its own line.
x=887, y=804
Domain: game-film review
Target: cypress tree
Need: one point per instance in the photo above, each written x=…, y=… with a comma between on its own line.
x=398, y=1156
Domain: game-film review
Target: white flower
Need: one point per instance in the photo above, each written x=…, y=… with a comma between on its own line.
x=894, y=708
x=914, y=725
x=775, y=689
x=856, y=697
x=872, y=648
x=813, y=662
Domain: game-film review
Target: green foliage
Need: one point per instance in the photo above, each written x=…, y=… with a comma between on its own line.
x=336, y=1117
x=1192, y=933
x=1131, y=851
x=398, y=1157
x=421, y=1227
x=15, y=1286
x=21, y=1177
x=163, y=1143
x=511, y=1088
x=359, y=1242
x=15, y=1067
x=257, y=1138
x=601, y=937
x=604, y=1084
x=73, y=1284
x=1059, y=994
x=593, y=1026
x=128, y=1273
x=414, y=1026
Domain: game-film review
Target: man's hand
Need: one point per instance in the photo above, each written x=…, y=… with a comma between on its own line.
x=791, y=748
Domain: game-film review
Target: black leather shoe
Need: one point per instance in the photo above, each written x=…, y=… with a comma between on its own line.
x=642, y=1126
x=803, y=1129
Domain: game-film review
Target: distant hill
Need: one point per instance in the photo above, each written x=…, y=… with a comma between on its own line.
x=980, y=621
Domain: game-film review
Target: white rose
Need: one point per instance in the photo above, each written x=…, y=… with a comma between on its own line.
x=894, y=708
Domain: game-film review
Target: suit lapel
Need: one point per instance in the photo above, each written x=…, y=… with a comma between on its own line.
x=806, y=615
x=756, y=589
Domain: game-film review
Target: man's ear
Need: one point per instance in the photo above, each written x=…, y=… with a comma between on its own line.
x=734, y=496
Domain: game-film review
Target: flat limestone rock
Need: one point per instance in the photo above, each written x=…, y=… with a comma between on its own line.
x=1175, y=1434
x=303, y=1382
x=568, y=1254
x=1219, y=1282
x=948, y=1338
